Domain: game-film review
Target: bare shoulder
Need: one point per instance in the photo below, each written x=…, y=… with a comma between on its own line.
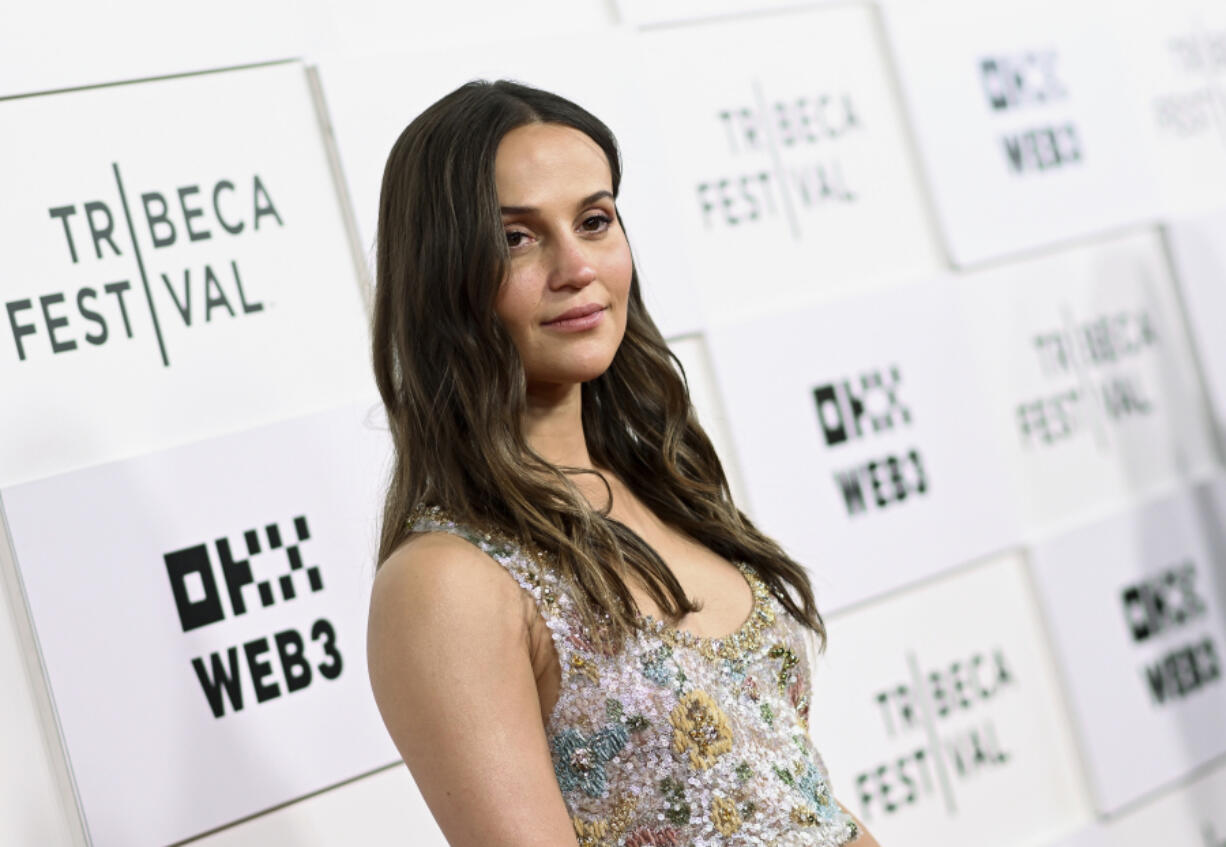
x=438, y=604
x=433, y=555
x=437, y=577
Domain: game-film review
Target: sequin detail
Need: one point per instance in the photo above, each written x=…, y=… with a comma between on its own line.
x=676, y=739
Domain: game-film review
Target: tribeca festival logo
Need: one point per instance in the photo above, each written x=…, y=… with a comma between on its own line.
x=765, y=132
x=852, y=409
x=1093, y=388
x=922, y=708
x=97, y=230
x=1192, y=107
x=198, y=599
x=1162, y=608
x=1024, y=83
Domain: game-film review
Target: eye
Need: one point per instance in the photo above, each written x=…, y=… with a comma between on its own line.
x=516, y=238
x=597, y=222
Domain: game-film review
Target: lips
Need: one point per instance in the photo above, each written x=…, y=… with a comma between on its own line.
x=579, y=319
x=575, y=313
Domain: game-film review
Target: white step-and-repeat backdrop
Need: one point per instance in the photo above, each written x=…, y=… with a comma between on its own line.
x=948, y=280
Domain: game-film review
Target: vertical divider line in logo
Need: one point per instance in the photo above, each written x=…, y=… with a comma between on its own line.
x=140, y=263
x=1093, y=398
x=934, y=740
x=1213, y=86
x=777, y=160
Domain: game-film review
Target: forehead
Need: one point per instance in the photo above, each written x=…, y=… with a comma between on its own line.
x=547, y=159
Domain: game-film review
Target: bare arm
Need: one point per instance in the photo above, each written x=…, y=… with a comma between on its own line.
x=864, y=839
x=448, y=651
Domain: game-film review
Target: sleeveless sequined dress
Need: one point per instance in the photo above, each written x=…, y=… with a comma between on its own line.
x=678, y=740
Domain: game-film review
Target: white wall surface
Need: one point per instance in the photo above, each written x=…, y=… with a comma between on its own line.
x=789, y=158
x=1140, y=82
x=1197, y=247
x=1019, y=117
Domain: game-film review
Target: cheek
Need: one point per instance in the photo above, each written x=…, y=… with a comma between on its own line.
x=513, y=306
x=621, y=267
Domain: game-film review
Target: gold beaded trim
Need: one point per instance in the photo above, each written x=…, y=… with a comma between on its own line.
x=745, y=640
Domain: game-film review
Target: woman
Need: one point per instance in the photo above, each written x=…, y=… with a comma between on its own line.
x=629, y=684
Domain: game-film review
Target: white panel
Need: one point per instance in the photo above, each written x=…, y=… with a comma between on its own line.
x=1094, y=392
x=1175, y=59
x=34, y=807
x=649, y=12
x=1027, y=134
x=47, y=46
x=365, y=27
x=938, y=715
x=116, y=345
x=704, y=394
x=860, y=428
x=1134, y=603
x=789, y=154
x=1198, y=251
x=368, y=116
x=208, y=610
x=1191, y=816
x=381, y=810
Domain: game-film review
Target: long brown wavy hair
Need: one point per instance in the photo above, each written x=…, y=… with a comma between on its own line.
x=454, y=388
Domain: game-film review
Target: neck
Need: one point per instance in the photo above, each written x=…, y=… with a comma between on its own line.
x=553, y=425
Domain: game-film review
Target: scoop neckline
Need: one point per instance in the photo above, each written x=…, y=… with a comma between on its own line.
x=745, y=637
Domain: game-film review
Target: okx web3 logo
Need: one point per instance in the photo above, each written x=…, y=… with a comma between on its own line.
x=211, y=583
x=870, y=406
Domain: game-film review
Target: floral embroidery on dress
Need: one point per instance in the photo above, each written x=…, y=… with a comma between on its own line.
x=725, y=815
x=798, y=696
x=750, y=688
x=655, y=665
x=579, y=761
x=788, y=660
x=676, y=808
x=700, y=728
x=597, y=833
x=806, y=779
x=675, y=740
x=645, y=837
x=586, y=668
x=768, y=714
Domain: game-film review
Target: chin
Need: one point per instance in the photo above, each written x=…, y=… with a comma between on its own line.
x=574, y=372
x=585, y=375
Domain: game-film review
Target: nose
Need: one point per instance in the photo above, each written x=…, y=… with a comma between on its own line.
x=572, y=266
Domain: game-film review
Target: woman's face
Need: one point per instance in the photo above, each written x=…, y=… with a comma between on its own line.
x=563, y=300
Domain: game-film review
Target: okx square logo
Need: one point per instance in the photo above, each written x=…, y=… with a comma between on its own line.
x=870, y=406
x=1169, y=608
x=211, y=582
x=1028, y=83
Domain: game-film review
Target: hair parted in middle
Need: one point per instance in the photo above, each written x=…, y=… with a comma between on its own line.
x=454, y=390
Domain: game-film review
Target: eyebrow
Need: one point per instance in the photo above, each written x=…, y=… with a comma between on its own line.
x=586, y=201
